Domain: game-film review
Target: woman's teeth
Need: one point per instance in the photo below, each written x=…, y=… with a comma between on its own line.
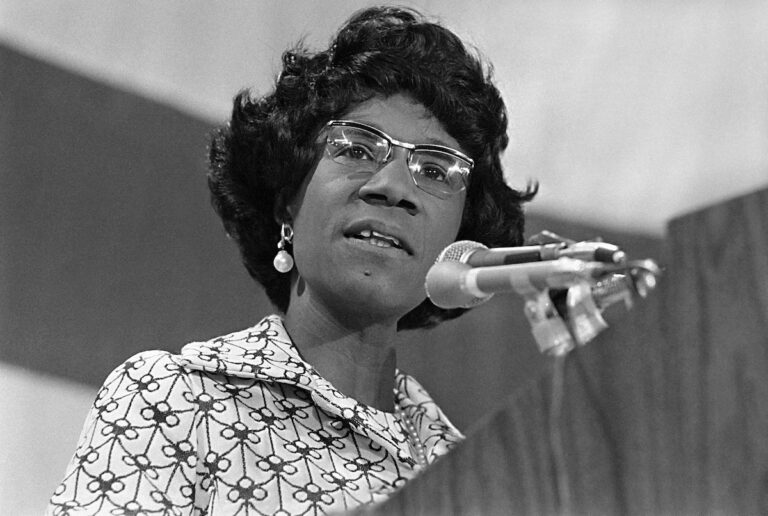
x=379, y=239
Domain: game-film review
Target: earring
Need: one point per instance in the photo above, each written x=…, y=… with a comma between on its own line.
x=283, y=261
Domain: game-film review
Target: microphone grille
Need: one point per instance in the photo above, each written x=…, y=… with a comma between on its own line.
x=459, y=251
x=443, y=283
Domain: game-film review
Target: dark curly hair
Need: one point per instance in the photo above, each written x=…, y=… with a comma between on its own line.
x=260, y=158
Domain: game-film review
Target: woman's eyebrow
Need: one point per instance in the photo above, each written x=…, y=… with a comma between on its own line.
x=438, y=141
x=429, y=140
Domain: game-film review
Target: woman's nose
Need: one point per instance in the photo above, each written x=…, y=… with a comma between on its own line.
x=392, y=185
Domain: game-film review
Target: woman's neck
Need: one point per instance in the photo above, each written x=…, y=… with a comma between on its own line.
x=359, y=361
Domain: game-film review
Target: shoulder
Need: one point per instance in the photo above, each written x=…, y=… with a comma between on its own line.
x=144, y=372
x=138, y=435
x=149, y=389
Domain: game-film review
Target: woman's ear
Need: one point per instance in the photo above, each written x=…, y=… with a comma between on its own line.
x=287, y=205
x=283, y=211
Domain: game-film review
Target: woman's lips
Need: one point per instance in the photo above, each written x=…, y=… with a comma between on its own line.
x=378, y=234
x=378, y=239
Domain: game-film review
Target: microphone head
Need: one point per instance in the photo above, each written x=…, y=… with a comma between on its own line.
x=445, y=280
x=459, y=251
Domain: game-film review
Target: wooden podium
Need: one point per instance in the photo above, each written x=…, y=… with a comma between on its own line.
x=665, y=413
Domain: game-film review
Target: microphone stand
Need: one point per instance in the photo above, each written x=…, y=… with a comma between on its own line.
x=562, y=319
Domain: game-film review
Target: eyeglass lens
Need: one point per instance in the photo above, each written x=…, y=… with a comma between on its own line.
x=435, y=172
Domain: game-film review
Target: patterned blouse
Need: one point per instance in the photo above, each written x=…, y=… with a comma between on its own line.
x=242, y=425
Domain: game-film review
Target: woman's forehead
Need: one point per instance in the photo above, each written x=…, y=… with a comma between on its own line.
x=403, y=118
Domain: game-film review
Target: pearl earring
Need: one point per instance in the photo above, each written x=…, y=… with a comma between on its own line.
x=283, y=261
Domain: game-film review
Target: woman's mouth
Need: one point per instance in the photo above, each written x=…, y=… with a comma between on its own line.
x=377, y=239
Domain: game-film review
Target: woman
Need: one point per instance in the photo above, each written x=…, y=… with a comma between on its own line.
x=340, y=188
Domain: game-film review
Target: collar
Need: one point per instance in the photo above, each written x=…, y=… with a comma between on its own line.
x=266, y=352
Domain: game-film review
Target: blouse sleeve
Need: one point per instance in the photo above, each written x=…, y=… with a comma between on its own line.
x=137, y=452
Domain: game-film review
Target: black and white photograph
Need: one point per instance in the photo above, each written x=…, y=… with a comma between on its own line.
x=383, y=258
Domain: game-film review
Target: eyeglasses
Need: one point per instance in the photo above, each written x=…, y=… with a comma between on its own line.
x=438, y=170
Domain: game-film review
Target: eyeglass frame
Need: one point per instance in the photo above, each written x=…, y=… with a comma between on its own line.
x=411, y=147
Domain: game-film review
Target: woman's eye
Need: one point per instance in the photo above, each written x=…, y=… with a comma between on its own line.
x=434, y=173
x=357, y=152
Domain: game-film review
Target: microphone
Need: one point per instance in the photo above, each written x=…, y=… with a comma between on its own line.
x=452, y=284
x=566, y=285
x=476, y=254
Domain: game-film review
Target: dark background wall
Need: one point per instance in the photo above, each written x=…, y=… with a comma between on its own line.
x=108, y=241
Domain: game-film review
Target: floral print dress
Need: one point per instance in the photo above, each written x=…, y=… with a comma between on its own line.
x=242, y=425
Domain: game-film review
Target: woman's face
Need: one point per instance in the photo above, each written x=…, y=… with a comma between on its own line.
x=344, y=223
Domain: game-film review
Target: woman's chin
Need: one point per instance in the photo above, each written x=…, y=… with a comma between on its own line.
x=371, y=299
